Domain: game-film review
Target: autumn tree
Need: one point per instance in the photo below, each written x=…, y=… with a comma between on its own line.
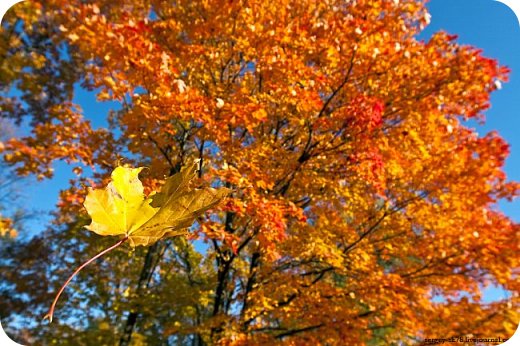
x=363, y=208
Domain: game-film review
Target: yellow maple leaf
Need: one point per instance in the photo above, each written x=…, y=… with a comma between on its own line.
x=122, y=208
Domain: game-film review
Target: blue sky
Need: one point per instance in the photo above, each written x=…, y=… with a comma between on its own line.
x=493, y=27
x=486, y=24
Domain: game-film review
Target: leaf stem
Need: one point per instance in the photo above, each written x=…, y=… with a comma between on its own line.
x=51, y=310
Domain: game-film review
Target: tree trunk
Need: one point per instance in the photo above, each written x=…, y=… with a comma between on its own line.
x=144, y=278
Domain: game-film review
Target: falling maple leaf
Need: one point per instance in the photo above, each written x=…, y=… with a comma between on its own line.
x=122, y=209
